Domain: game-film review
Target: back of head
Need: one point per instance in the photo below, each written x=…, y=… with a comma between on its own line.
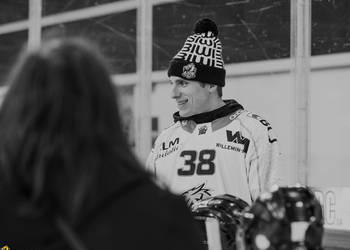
x=59, y=122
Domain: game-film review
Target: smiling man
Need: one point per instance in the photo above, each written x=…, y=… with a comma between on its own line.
x=214, y=146
x=193, y=97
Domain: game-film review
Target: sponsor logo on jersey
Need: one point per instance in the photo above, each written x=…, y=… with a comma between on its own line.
x=202, y=130
x=272, y=139
x=168, y=148
x=170, y=144
x=228, y=147
x=196, y=193
x=238, y=138
x=235, y=114
x=167, y=152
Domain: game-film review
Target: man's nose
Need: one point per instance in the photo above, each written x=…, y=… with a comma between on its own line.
x=175, y=93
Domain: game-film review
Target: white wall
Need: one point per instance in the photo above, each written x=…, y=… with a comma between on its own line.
x=330, y=121
x=267, y=94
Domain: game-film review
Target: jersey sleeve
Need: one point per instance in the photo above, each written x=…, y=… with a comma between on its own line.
x=262, y=159
x=156, y=150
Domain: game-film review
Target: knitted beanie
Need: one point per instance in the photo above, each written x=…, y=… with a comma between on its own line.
x=200, y=59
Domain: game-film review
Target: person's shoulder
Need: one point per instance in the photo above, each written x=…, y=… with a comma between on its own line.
x=160, y=194
x=172, y=126
x=254, y=123
x=148, y=200
x=34, y=228
x=161, y=201
x=253, y=119
x=169, y=130
x=143, y=212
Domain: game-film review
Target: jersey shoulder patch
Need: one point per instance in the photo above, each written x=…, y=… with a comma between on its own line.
x=255, y=119
x=258, y=123
x=226, y=120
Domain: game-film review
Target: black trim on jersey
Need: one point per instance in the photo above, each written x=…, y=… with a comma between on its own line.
x=230, y=107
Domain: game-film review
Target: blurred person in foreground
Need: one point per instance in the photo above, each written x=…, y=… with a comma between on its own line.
x=68, y=177
x=215, y=146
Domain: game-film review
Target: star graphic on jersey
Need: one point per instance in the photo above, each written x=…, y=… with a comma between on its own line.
x=196, y=193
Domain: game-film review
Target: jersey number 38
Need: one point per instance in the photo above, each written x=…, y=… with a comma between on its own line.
x=205, y=162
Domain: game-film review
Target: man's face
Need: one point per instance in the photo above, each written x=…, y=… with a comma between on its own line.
x=191, y=98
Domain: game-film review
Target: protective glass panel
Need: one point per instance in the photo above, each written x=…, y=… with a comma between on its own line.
x=329, y=112
x=330, y=26
x=115, y=34
x=10, y=46
x=13, y=10
x=57, y=6
x=249, y=30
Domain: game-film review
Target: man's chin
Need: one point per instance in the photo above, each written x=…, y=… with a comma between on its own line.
x=184, y=113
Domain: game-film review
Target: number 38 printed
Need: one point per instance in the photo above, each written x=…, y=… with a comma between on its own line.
x=205, y=164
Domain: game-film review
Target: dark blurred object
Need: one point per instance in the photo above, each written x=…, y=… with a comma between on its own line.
x=289, y=218
x=225, y=210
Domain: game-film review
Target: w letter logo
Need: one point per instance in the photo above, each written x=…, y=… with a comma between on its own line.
x=238, y=138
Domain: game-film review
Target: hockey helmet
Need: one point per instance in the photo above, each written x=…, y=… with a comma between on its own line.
x=288, y=218
x=218, y=218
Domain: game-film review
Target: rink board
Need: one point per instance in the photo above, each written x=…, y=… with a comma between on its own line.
x=335, y=202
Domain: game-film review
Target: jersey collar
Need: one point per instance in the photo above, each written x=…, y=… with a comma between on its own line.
x=229, y=107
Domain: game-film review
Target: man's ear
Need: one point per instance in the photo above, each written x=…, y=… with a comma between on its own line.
x=212, y=88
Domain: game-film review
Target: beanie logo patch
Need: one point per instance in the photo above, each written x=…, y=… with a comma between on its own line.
x=189, y=71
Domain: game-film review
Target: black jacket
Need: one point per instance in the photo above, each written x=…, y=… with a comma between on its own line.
x=136, y=214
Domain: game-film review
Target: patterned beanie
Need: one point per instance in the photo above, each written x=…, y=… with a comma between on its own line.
x=200, y=59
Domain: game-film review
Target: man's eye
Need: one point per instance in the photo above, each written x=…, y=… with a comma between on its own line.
x=183, y=84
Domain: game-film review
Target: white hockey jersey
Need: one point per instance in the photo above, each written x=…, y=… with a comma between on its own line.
x=235, y=154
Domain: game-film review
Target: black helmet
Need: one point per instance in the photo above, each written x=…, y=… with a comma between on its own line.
x=285, y=219
x=224, y=212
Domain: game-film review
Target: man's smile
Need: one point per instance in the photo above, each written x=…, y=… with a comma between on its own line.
x=181, y=103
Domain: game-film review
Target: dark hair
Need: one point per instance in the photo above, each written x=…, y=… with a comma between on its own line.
x=60, y=125
x=218, y=89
